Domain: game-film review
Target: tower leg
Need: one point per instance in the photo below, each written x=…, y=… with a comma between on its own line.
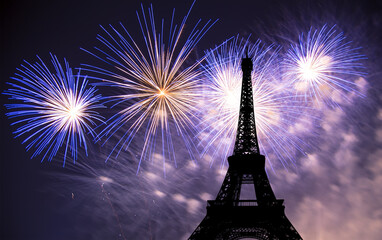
x=230, y=189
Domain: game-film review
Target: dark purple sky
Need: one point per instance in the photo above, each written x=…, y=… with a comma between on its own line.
x=335, y=193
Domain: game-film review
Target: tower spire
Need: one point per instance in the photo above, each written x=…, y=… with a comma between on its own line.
x=246, y=137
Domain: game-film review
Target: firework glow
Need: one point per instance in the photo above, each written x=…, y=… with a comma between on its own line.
x=54, y=109
x=322, y=65
x=274, y=109
x=157, y=89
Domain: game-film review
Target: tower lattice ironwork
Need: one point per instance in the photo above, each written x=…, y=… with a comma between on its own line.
x=228, y=217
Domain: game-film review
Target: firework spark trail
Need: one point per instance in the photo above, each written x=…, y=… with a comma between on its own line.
x=274, y=110
x=322, y=65
x=54, y=108
x=113, y=209
x=157, y=88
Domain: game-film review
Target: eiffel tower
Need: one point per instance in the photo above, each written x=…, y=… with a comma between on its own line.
x=228, y=217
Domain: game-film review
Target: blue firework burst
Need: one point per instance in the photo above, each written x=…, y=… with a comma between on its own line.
x=323, y=65
x=53, y=108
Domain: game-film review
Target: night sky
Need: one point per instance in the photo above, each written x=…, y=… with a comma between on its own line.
x=332, y=192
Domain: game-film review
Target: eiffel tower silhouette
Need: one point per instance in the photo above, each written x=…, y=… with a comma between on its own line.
x=228, y=217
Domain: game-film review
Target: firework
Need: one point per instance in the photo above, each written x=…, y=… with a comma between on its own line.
x=157, y=90
x=323, y=65
x=274, y=110
x=54, y=109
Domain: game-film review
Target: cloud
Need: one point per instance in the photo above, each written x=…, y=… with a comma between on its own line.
x=193, y=206
x=159, y=193
x=345, y=200
x=331, y=118
x=379, y=115
x=179, y=198
x=312, y=164
x=378, y=135
x=205, y=196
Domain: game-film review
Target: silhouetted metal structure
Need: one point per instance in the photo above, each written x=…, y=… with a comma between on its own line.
x=228, y=217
